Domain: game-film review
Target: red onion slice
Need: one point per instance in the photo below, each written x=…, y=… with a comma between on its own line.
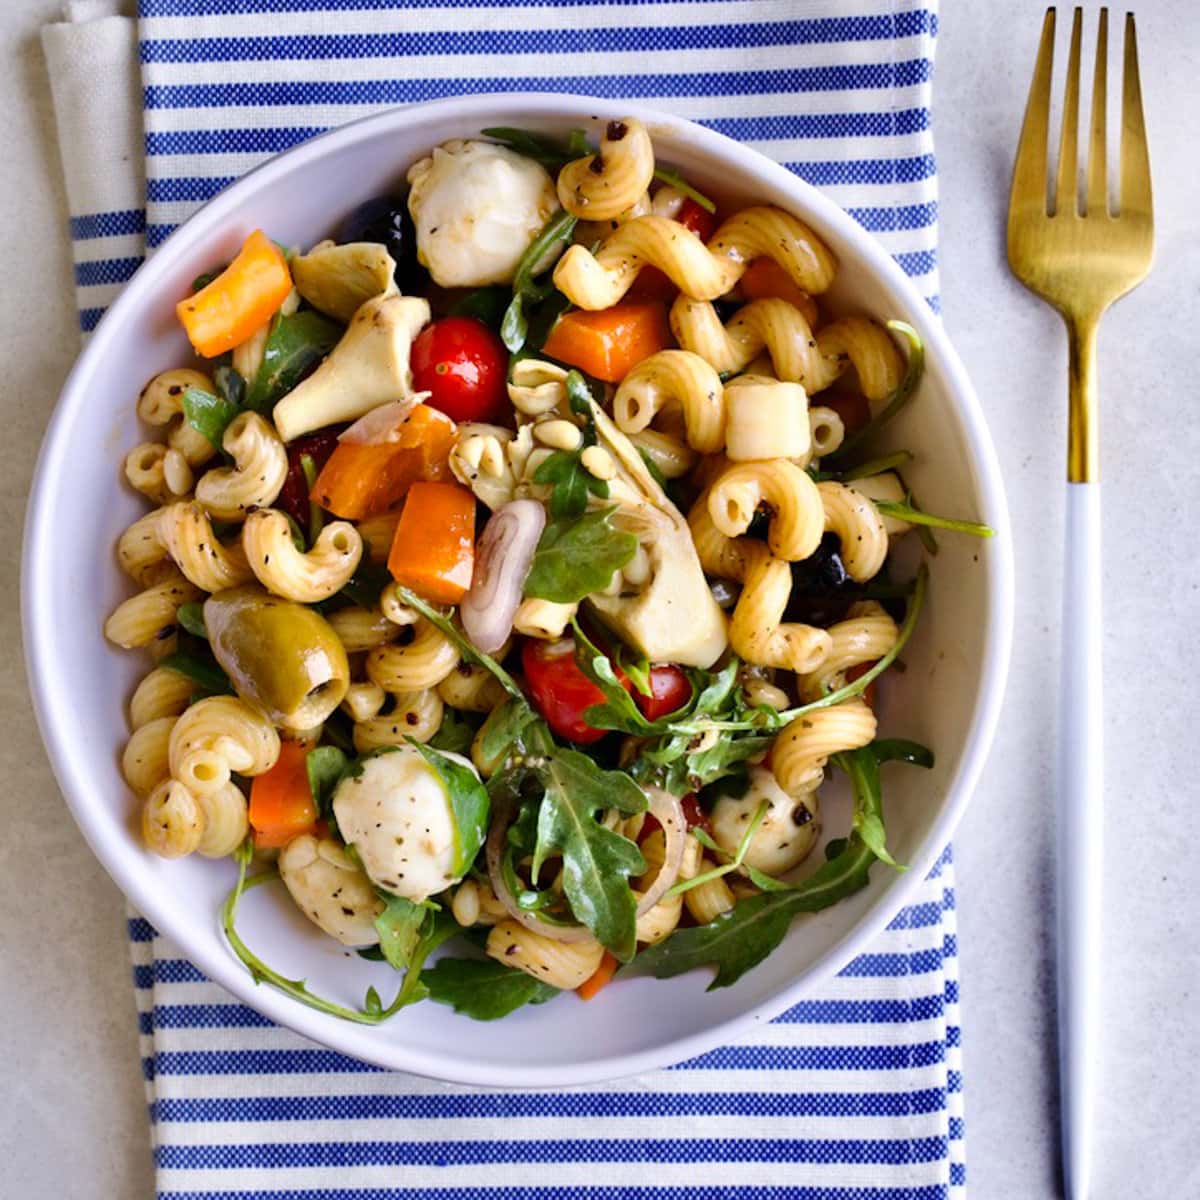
x=380, y=425
x=669, y=813
x=502, y=558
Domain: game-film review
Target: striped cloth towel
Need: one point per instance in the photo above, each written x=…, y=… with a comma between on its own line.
x=855, y=1093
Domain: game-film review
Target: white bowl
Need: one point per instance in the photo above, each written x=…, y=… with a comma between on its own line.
x=949, y=696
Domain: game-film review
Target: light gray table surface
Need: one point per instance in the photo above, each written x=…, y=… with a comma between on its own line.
x=69, y=1073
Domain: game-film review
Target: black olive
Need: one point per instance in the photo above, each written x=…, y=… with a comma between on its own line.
x=725, y=308
x=822, y=591
x=385, y=220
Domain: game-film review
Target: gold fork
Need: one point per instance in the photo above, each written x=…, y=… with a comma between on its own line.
x=1080, y=260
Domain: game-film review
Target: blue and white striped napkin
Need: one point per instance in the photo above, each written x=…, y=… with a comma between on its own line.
x=854, y=1094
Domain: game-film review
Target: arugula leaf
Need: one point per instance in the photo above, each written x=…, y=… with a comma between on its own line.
x=208, y=675
x=486, y=304
x=399, y=926
x=914, y=516
x=670, y=176
x=470, y=805
x=515, y=326
x=483, y=989
x=206, y=277
x=294, y=344
x=577, y=557
x=572, y=483
x=208, y=414
x=876, y=466
x=456, y=732
x=511, y=728
x=543, y=149
x=191, y=617
x=326, y=766
x=229, y=384
x=734, y=861
x=597, y=862
x=619, y=710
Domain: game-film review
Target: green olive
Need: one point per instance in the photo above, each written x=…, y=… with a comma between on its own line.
x=281, y=656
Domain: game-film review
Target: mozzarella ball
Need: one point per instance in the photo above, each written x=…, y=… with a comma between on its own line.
x=787, y=833
x=397, y=816
x=476, y=207
x=330, y=889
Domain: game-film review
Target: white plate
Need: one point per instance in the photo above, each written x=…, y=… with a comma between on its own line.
x=948, y=697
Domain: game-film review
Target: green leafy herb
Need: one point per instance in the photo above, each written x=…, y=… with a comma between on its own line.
x=876, y=466
x=638, y=670
x=469, y=804
x=294, y=344
x=483, y=989
x=456, y=732
x=399, y=927
x=229, y=384
x=513, y=728
x=326, y=767
x=914, y=516
x=526, y=290
x=670, y=176
x=597, y=862
x=485, y=304
x=619, y=710
x=740, y=939
x=316, y=514
x=190, y=616
x=205, y=278
x=207, y=674
x=572, y=483
x=576, y=557
x=739, y=857
x=207, y=413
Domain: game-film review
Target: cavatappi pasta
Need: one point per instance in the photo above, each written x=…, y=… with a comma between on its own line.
x=618, y=555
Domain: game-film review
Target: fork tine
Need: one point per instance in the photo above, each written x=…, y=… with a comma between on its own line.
x=1135, y=156
x=1029, y=171
x=1097, y=181
x=1066, y=197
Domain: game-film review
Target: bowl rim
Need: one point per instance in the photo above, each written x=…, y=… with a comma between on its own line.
x=221, y=966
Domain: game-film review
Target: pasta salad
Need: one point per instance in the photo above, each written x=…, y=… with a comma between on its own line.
x=517, y=570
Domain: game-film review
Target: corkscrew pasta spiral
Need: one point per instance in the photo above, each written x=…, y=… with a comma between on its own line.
x=803, y=747
x=797, y=516
x=257, y=476
x=186, y=531
x=864, y=637
x=161, y=404
x=678, y=379
x=561, y=964
x=161, y=693
x=600, y=280
x=415, y=716
x=859, y=528
x=421, y=663
x=140, y=549
x=306, y=577
x=150, y=614
x=601, y=186
x=217, y=736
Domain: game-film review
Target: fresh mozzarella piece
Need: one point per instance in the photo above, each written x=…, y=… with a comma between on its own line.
x=397, y=816
x=476, y=207
x=787, y=833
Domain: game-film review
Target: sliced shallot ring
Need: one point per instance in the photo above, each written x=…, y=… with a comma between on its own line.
x=668, y=811
x=502, y=559
x=381, y=425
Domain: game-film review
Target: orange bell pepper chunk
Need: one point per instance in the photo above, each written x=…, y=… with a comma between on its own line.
x=765, y=279
x=608, y=344
x=243, y=298
x=433, y=551
x=281, y=801
x=362, y=481
x=599, y=979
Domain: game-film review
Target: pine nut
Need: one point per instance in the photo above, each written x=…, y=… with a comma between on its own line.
x=177, y=474
x=558, y=434
x=598, y=462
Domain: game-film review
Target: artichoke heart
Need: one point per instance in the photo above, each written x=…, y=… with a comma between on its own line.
x=282, y=656
x=338, y=280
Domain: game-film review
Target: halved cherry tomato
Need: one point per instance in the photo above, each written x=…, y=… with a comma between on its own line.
x=670, y=689
x=869, y=692
x=293, y=499
x=559, y=689
x=464, y=366
x=854, y=409
x=651, y=283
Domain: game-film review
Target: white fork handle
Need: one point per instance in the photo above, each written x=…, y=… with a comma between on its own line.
x=1080, y=825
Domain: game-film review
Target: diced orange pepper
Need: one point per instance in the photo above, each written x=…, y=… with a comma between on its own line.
x=366, y=481
x=608, y=344
x=240, y=300
x=600, y=978
x=433, y=551
x=281, y=801
x=765, y=279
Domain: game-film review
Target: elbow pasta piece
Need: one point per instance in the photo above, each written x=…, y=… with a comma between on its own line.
x=766, y=418
x=800, y=752
x=362, y=628
x=377, y=534
x=886, y=486
x=760, y=691
x=414, y=716
x=797, y=353
x=172, y=821
x=145, y=471
x=826, y=431
x=363, y=700
x=145, y=762
x=217, y=736
x=294, y=574
x=707, y=901
x=472, y=689
x=561, y=964
x=397, y=613
x=859, y=528
x=673, y=457
x=797, y=516
x=674, y=378
x=161, y=693
x=225, y=819
x=186, y=531
x=150, y=615
x=756, y=631
x=257, y=476
x=536, y=387
x=864, y=637
x=161, y=404
x=422, y=663
x=140, y=549
x=660, y=921
x=545, y=619
x=602, y=186
x=596, y=281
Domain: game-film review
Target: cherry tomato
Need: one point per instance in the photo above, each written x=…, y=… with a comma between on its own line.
x=559, y=689
x=854, y=673
x=293, y=499
x=854, y=409
x=670, y=689
x=464, y=365
x=692, y=812
x=651, y=283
